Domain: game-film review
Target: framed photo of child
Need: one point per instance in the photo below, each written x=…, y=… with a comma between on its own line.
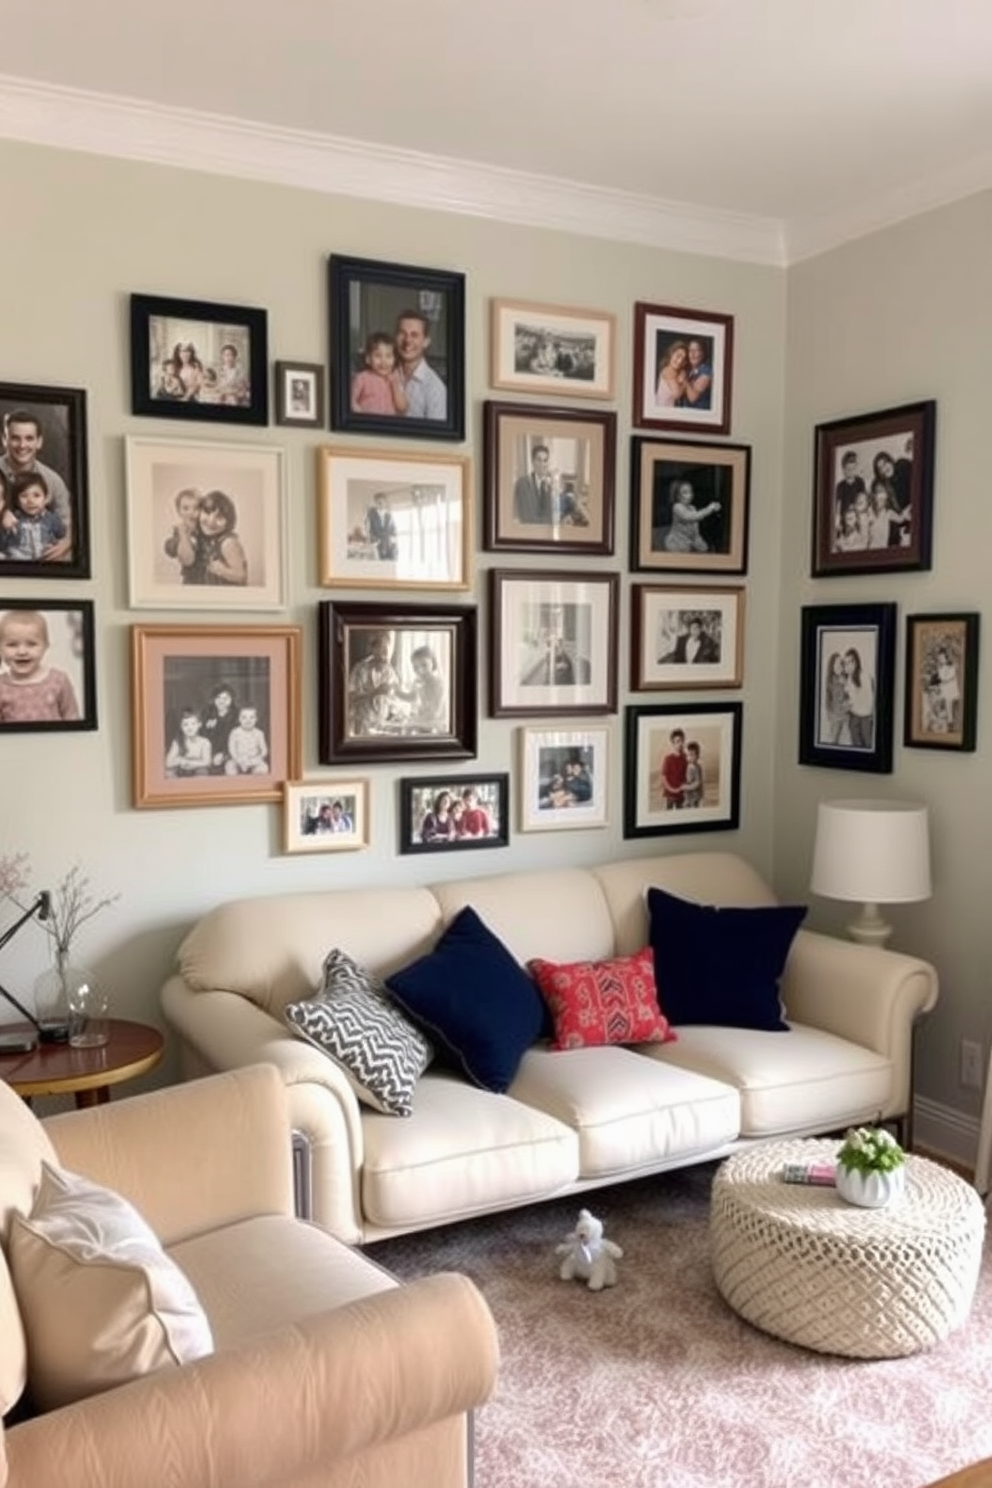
x=194, y=359
x=206, y=525
x=215, y=713
x=682, y=770
x=47, y=665
x=450, y=813
x=397, y=349
x=44, y=483
x=942, y=682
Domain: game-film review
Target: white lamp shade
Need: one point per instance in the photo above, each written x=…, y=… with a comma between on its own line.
x=875, y=852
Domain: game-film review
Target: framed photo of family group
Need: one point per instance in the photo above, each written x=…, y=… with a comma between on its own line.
x=682, y=769
x=44, y=483
x=941, y=705
x=847, y=686
x=194, y=359
x=329, y=815
x=683, y=362
x=552, y=349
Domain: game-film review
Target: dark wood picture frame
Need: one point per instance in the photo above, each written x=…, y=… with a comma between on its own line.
x=419, y=807
x=707, y=534
x=391, y=709
x=553, y=643
x=384, y=292
x=48, y=439
x=848, y=663
x=531, y=504
x=686, y=638
x=659, y=801
x=663, y=330
x=218, y=389
x=70, y=660
x=941, y=699
x=300, y=395
x=854, y=458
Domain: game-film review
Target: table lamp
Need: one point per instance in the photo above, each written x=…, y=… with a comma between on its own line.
x=872, y=852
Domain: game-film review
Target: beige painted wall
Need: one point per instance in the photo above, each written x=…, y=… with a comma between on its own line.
x=898, y=317
x=80, y=234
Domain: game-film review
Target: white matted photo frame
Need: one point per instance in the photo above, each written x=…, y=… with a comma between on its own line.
x=555, y=349
x=206, y=525
x=847, y=686
x=686, y=638
x=47, y=665
x=564, y=776
x=683, y=362
x=394, y=520
x=553, y=639
x=299, y=390
x=690, y=506
x=682, y=769
x=941, y=706
x=328, y=815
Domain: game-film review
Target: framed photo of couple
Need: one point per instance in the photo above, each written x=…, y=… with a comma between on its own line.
x=397, y=349
x=683, y=363
x=847, y=686
x=682, y=769
x=449, y=813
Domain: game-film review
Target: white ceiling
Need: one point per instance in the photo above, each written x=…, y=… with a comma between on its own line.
x=817, y=118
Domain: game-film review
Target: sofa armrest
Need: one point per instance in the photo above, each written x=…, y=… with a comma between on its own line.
x=283, y=1408
x=189, y=1157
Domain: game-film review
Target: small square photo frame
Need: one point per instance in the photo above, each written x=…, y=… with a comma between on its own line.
x=847, y=686
x=553, y=639
x=559, y=350
x=564, y=776
x=196, y=359
x=682, y=769
x=683, y=366
x=873, y=492
x=683, y=639
x=299, y=390
x=549, y=479
x=941, y=702
x=327, y=815
x=452, y=813
x=690, y=506
x=44, y=436
x=55, y=692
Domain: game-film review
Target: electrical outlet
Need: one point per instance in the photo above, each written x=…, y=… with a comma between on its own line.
x=971, y=1064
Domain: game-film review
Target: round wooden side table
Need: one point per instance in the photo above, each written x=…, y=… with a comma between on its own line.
x=58, y=1069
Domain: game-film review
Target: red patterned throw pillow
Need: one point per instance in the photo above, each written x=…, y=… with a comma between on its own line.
x=603, y=1002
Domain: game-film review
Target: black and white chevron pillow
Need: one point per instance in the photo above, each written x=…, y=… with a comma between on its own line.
x=354, y=1020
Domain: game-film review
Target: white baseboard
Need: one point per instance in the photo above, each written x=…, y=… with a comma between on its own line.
x=946, y=1131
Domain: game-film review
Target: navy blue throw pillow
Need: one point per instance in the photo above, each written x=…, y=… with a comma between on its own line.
x=475, y=998
x=721, y=964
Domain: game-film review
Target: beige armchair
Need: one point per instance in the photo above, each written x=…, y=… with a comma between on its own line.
x=325, y=1371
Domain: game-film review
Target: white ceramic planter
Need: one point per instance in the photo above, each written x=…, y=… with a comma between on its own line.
x=871, y=1190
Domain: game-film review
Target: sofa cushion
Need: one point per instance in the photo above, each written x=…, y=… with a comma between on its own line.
x=354, y=1020
x=100, y=1300
x=602, y=1002
x=472, y=996
x=721, y=964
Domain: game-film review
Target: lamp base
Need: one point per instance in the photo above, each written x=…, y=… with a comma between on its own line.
x=869, y=928
x=53, y=1033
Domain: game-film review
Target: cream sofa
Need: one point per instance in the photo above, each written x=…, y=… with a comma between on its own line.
x=570, y=1122
x=325, y=1371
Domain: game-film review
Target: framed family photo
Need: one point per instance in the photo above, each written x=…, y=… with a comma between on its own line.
x=47, y=666
x=683, y=366
x=299, y=389
x=690, y=506
x=686, y=638
x=194, y=359
x=44, y=483
x=941, y=705
x=553, y=639
x=449, y=813
x=215, y=713
x=397, y=339
x=394, y=520
x=396, y=682
x=847, y=686
x=554, y=349
x=206, y=525
x=549, y=479
x=682, y=769
x=873, y=492
x=328, y=815
x=564, y=776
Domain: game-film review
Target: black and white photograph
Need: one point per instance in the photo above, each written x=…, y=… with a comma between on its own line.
x=44, y=492
x=47, y=665
x=682, y=768
x=553, y=641
x=195, y=359
x=564, y=778
x=686, y=638
x=299, y=389
x=557, y=349
x=328, y=815
x=690, y=505
x=848, y=658
x=451, y=812
x=397, y=349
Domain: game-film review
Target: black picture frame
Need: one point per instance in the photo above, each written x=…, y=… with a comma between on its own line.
x=703, y=342
x=893, y=448
x=660, y=804
x=847, y=657
x=419, y=798
x=50, y=440
x=70, y=658
x=366, y=718
x=299, y=394
x=369, y=297
x=664, y=541
x=941, y=696
x=218, y=390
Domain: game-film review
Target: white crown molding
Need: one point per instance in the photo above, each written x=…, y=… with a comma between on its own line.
x=95, y=123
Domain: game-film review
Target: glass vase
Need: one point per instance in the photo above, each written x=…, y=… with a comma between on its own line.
x=68, y=996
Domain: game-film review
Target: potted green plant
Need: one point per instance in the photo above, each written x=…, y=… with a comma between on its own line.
x=871, y=1167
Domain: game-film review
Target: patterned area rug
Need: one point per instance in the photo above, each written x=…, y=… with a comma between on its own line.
x=657, y=1384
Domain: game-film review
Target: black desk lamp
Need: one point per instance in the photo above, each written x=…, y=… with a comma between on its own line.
x=48, y=1032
